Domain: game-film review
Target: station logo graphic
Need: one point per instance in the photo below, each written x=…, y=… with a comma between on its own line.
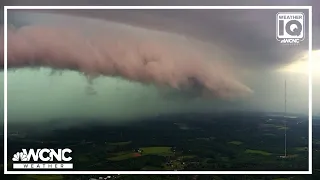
x=43, y=159
x=290, y=27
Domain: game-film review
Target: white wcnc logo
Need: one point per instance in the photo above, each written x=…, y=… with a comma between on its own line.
x=43, y=155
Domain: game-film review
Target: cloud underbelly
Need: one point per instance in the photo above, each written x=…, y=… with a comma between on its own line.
x=135, y=54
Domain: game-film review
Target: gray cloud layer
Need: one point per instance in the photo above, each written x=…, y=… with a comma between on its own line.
x=249, y=33
x=247, y=36
x=119, y=50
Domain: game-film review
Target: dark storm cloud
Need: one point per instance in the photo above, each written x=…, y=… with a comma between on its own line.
x=248, y=35
x=115, y=49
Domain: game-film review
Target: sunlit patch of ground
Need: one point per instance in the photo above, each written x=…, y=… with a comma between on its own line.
x=235, y=142
x=259, y=152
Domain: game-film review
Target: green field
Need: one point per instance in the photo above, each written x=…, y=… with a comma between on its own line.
x=235, y=142
x=301, y=149
x=269, y=134
x=122, y=156
x=264, y=153
x=120, y=143
x=276, y=126
x=162, y=151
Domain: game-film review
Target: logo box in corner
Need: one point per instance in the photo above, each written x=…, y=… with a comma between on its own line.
x=290, y=27
x=42, y=159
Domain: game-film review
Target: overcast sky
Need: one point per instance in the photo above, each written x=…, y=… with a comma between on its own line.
x=243, y=39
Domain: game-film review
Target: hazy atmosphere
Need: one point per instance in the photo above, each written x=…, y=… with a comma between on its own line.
x=125, y=64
